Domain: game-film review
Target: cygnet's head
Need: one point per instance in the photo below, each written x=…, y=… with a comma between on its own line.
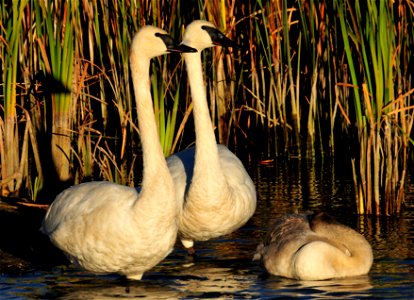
x=152, y=41
x=202, y=34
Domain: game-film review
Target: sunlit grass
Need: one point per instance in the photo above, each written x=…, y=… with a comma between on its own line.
x=379, y=166
x=316, y=76
x=12, y=159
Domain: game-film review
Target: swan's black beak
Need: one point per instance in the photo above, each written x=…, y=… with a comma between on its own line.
x=218, y=38
x=172, y=46
x=182, y=48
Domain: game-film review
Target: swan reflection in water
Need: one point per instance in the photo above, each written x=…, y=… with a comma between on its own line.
x=207, y=278
x=122, y=292
x=353, y=287
x=314, y=247
x=199, y=279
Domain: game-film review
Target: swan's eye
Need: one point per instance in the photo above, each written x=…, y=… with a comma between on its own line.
x=163, y=36
x=207, y=28
x=168, y=40
x=213, y=32
x=172, y=46
x=217, y=37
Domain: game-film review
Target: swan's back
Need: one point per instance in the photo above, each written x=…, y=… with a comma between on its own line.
x=342, y=252
x=72, y=204
x=314, y=247
x=103, y=235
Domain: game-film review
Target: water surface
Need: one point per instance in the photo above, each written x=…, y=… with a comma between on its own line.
x=223, y=268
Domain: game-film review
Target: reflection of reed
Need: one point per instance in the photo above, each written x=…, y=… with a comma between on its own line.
x=391, y=238
x=299, y=185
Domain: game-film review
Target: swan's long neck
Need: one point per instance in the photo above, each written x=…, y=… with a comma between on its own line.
x=206, y=157
x=155, y=172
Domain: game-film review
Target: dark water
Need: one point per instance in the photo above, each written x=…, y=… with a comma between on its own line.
x=223, y=268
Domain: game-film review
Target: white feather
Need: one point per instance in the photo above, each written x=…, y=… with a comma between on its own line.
x=109, y=228
x=219, y=195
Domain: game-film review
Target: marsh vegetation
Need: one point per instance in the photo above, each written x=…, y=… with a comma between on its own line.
x=310, y=78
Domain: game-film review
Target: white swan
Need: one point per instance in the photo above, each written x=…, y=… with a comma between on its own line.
x=109, y=228
x=219, y=196
x=314, y=247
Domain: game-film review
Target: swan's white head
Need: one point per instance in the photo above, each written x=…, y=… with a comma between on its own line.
x=202, y=34
x=151, y=41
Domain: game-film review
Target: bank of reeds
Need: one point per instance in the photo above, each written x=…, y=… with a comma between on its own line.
x=376, y=37
x=313, y=77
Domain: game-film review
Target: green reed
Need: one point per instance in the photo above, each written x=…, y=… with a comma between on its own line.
x=12, y=159
x=59, y=20
x=166, y=103
x=380, y=166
